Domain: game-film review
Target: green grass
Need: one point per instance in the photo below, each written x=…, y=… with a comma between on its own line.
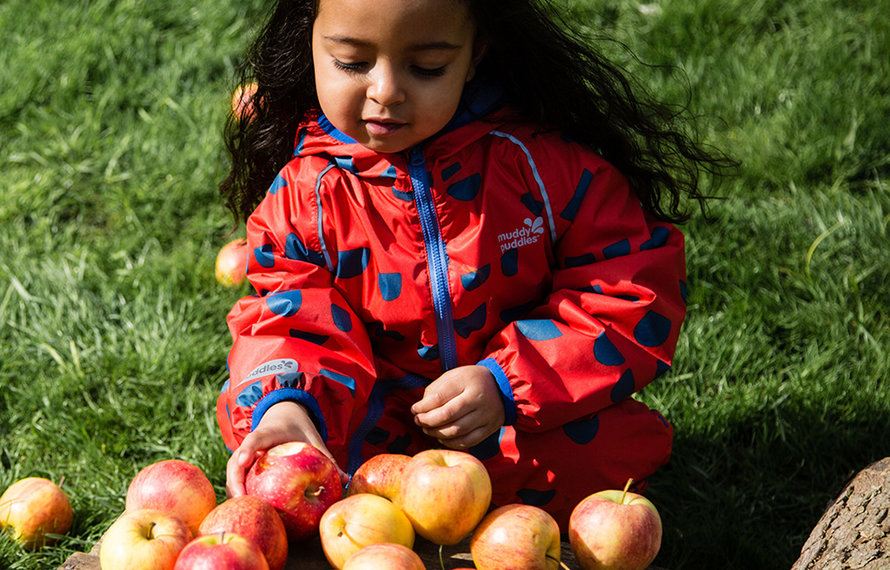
x=112, y=329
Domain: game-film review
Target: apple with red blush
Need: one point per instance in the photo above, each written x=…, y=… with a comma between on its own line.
x=299, y=481
x=143, y=539
x=175, y=487
x=380, y=475
x=615, y=529
x=222, y=550
x=516, y=536
x=359, y=521
x=231, y=263
x=391, y=556
x=34, y=509
x=252, y=518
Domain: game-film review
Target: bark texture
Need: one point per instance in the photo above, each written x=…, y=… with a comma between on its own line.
x=854, y=533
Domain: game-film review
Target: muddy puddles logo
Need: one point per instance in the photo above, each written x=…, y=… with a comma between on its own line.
x=529, y=233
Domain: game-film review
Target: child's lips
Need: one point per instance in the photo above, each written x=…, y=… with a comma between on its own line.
x=382, y=127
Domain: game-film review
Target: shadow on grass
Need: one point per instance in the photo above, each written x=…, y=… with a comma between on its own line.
x=750, y=497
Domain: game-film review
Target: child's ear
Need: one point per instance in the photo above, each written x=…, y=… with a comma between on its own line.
x=480, y=46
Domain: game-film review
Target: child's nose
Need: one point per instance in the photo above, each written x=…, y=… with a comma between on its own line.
x=386, y=86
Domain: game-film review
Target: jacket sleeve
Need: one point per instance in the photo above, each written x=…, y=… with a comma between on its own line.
x=612, y=319
x=297, y=338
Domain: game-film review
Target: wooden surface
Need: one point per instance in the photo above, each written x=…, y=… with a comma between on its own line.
x=854, y=532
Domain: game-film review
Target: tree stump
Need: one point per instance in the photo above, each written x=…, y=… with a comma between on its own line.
x=854, y=533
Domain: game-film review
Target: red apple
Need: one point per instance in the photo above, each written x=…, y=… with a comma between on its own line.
x=516, y=536
x=242, y=100
x=175, y=487
x=254, y=519
x=34, y=508
x=615, y=529
x=143, y=539
x=380, y=475
x=298, y=480
x=223, y=550
x=231, y=263
x=359, y=521
x=384, y=555
x=445, y=493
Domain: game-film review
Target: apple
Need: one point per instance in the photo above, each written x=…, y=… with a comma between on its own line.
x=380, y=475
x=174, y=487
x=221, y=550
x=34, y=508
x=445, y=493
x=359, y=521
x=516, y=536
x=387, y=555
x=231, y=263
x=144, y=539
x=242, y=100
x=254, y=519
x=615, y=529
x=298, y=480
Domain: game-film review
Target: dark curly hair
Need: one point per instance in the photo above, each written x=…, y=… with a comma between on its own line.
x=550, y=73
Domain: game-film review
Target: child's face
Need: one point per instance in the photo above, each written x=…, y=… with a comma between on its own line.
x=390, y=73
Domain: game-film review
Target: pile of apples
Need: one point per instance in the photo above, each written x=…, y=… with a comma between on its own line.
x=172, y=520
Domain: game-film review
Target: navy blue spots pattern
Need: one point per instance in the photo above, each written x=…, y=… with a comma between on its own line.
x=593, y=289
x=476, y=278
x=309, y=337
x=341, y=318
x=580, y=260
x=390, y=285
x=264, y=257
x=534, y=206
x=466, y=189
x=516, y=313
x=390, y=172
x=345, y=162
x=450, y=170
x=250, y=395
x=652, y=330
x=624, y=387
x=353, y=262
x=658, y=239
x=571, y=209
x=662, y=368
x=471, y=323
x=428, y=352
x=277, y=184
x=582, y=431
x=402, y=195
x=377, y=435
x=347, y=381
x=285, y=303
x=605, y=352
x=379, y=331
x=510, y=262
x=534, y=497
x=289, y=380
x=488, y=447
x=399, y=444
x=295, y=249
x=538, y=329
x=684, y=292
x=617, y=249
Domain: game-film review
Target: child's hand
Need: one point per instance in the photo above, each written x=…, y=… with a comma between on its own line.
x=285, y=421
x=461, y=407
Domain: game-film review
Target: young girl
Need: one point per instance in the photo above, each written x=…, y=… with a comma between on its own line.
x=462, y=237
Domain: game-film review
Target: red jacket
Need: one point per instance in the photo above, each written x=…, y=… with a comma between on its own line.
x=494, y=243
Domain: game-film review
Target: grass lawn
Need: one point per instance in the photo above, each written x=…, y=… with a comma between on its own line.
x=112, y=328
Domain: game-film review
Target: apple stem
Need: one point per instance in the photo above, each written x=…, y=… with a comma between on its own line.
x=61, y=481
x=441, y=557
x=151, y=529
x=627, y=485
x=222, y=536
x=314, y=492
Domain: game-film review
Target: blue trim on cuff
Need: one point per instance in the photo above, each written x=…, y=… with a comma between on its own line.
x=504, y=387
x=291, y=395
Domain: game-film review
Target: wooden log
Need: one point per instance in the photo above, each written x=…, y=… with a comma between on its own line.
x=854, y=532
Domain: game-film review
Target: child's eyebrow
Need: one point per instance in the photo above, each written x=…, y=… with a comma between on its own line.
x=424, y=46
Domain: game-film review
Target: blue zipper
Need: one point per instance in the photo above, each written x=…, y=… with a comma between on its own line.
x=436, y=258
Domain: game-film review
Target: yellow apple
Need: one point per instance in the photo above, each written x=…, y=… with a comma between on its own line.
x=231, y=263
x=386, y=555
x=516, y=536
x=34, y=508
x=242, y=101
x=143, y=539
x=445, y=493
x=359, y=521
x=615, y=529
x=175, y=487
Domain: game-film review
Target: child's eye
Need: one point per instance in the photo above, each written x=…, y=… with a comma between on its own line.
x=429, y=72
x=351, y=67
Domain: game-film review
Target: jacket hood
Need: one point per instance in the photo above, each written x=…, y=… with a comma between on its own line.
x=318, y=137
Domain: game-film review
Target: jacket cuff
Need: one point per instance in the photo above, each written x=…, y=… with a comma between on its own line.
x=302, y=397
x=504, y=387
